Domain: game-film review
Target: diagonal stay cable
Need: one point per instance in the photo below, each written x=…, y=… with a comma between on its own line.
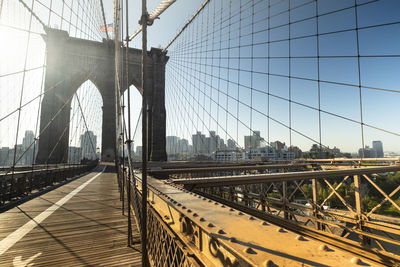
x=295, y=102
x=84, y=120
x=44, y=129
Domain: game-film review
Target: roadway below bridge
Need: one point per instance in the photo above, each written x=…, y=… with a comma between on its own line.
x=77, y=224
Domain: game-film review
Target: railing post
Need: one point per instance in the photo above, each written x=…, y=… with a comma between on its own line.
x=284, y=200
x=315, y=204
x=232, y=193
x=358, y=200
x=262, y=197
x=245, y=196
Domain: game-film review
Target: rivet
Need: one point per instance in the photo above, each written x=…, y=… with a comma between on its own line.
x=210, y=225
x=231, y=209
x=300, y=238
x=264, y=223
x=356, y=260
x=250, y=251
x=204, y=198
x=202, y=219
x=222, y=232
x=153, y=202
x=195, y=215
x=281, y=230
x=240, y=213
x=233, y=240
x=183, y=207
x=323, y=247
x=216, y=203
x=179, y=204
x=209, y=201
x=189, y=210
x=223, y=206
x=251, y=218
x=270, y=263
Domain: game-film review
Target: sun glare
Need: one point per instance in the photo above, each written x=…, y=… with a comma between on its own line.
x=14, y=48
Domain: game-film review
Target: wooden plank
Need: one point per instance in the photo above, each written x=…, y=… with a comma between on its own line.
x=88, y=230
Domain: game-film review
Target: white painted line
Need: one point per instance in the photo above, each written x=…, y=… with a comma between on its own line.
x=17, y=262
x=18, y=234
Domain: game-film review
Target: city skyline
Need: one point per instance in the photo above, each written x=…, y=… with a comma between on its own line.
x=27, y=151
x=201, y=138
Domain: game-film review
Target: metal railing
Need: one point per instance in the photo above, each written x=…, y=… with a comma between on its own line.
x=164, y=247
x=24, y=181
x=358, y=208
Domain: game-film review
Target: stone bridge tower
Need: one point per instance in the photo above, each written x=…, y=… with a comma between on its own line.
x=71, y=62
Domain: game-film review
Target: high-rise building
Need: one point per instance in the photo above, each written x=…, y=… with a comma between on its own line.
x=368, y=152
x=139, y=151
x=221, y=144
x=252, y=141
x=4, y=151
x=183, y=146
x=88, y=145
x=212, y=142
x=278, y=145
x=172, y=145
x=74, y=155
x=200, y=144
x=378, y=147
x=28, y=146
x=18, y=151
x=231, y=144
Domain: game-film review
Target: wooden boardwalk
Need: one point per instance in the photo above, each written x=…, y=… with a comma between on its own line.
x=78, y=224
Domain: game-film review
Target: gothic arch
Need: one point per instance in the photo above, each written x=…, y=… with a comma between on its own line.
x=71, y=62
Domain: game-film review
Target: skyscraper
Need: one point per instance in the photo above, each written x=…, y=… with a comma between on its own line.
x=183, y=146
x=252, y=141
x=88, y=145
x=172, y=145
x=4, y=151
x=74, y=154
x=231, y=144
x=200, y=144
x=378, y=147
x=27, y=145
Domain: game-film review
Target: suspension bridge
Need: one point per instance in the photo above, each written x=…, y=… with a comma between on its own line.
x=209, y=133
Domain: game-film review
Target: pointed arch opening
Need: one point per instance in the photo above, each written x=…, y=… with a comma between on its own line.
x=85, y=128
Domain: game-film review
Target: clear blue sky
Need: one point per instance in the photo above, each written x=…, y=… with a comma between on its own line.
x=338, y=63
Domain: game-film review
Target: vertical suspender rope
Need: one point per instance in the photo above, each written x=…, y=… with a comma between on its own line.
x=129, y=123
x=145, y=110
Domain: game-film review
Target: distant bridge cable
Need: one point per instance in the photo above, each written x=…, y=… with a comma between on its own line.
x=84, y=120
x=164, y=5
x=41, y=132
x=22, y=89
x=293, y=101
x=33, y=13
x=104, y=18
x=187, y=24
